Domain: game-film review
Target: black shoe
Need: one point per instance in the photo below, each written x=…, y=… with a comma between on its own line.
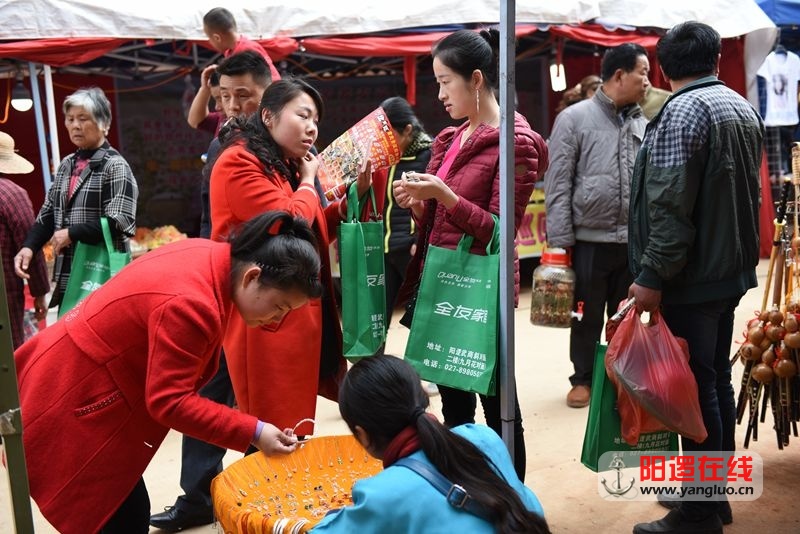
x=724, y=511
x=675, y=523
x=173, y=519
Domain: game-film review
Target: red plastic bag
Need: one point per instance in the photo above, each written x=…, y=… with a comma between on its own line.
x=656, y=389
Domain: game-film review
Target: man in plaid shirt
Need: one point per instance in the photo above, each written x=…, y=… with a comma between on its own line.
x=693, y=235
x=16, y=218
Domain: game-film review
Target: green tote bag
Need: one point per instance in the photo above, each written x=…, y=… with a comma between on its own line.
x=453, y=338
x=363, y=281
x=92, y=266
x=603, y=428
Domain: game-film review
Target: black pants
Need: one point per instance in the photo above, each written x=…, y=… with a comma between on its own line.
x=458, y=408
x=708, y=328
x=201, y=461
x=133, y=515
x=395, y=263
x=602, y=279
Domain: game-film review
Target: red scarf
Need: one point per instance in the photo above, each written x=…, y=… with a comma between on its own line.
x=404, y=444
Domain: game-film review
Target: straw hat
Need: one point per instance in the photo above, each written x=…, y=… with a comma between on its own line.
x=10, y=161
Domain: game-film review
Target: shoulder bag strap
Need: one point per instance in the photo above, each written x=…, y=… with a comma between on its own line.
x=456, y=495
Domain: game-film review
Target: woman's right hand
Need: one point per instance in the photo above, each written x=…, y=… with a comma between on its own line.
x=403, y=199
x=22, y=261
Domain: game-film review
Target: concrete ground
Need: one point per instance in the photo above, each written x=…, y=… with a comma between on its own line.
x=554, y=434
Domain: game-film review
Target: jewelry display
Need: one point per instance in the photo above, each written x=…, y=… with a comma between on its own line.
x=292, y=493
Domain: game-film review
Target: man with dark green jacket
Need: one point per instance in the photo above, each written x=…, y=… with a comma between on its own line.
x=693, y=235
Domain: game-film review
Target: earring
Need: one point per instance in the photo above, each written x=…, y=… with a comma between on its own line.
x=478, y=100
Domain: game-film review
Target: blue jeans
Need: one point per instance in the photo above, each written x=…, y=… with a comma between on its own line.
x=708, y=329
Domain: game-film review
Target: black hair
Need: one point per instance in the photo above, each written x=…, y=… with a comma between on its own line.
x=464, y=51
x=284, y=247
x=247, y=62
x=624, y=56
x=219, y=19
x=258, y=139
x=400, y=114
x=213, y=79
x=383, y=395
x=689, y=50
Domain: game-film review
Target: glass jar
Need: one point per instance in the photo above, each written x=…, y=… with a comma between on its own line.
x=553, y=290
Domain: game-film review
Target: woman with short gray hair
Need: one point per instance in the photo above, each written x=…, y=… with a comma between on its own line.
x=93, y=182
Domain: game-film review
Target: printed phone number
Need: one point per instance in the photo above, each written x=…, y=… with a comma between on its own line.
x=462, y=371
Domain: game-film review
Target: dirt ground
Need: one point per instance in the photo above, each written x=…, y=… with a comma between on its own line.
x=554, y=434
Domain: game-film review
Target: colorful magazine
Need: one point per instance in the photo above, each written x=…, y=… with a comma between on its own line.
x=370, y=138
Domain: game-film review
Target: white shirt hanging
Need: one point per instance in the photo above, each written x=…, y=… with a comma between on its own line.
x=781, y=72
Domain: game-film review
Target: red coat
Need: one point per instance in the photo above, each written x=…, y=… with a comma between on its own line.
x=275, y=371
x=475, y=177
x=100, y=388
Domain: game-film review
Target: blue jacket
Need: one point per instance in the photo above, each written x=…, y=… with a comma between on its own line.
x=399, y=500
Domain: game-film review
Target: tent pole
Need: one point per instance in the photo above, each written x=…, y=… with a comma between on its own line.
x=11, y=422
x=37, y=108
x=507, y=385
x=51, y=116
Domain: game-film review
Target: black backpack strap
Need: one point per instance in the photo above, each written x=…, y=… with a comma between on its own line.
x=456, y=495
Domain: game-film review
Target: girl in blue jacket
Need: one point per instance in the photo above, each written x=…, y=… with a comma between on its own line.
x=383, y=403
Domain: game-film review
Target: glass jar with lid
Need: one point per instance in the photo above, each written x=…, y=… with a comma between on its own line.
x=553, y=290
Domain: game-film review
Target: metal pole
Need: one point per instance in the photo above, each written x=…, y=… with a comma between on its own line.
x=507, y=386
x=51, y=117
x=37, y=108
x=11, y=422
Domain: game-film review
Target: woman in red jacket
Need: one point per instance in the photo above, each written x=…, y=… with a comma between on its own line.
x=101, y=388
x=266, y=165
x=462, y=189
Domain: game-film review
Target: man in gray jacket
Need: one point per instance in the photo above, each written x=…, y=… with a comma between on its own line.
x=587, y=187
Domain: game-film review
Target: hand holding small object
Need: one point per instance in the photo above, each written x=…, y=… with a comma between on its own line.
x=272, y=440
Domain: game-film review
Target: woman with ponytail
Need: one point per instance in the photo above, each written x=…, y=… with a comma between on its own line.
x=100, y=389
x=460, y=191
x=384, y=405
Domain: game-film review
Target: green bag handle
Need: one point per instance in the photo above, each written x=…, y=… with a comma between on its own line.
x=353, y=202
x=492, y=247
x=107, y=235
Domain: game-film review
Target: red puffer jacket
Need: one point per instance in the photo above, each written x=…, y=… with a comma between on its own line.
x=475, y=178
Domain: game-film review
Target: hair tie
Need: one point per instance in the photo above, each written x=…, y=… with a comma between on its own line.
x=417, y=413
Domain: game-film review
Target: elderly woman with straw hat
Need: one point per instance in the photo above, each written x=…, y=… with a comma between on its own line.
x=16, y=218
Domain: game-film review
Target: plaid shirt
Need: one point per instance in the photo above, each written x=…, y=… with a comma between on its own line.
x=683, y=127
x=16, y=218
x=108, y=190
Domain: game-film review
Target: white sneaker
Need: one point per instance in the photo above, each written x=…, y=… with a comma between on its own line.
x=431, y=389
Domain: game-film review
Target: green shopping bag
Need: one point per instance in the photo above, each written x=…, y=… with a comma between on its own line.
x=363, y=281
x=603, y=428
x=453, y=338
x=92, y=266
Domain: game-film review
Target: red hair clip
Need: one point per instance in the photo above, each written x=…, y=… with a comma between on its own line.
x=275, y=229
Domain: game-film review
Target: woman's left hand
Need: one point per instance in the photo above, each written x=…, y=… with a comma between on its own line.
x=364, y=178
x=60, y=241
x=274, y=441
x=308, y=166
